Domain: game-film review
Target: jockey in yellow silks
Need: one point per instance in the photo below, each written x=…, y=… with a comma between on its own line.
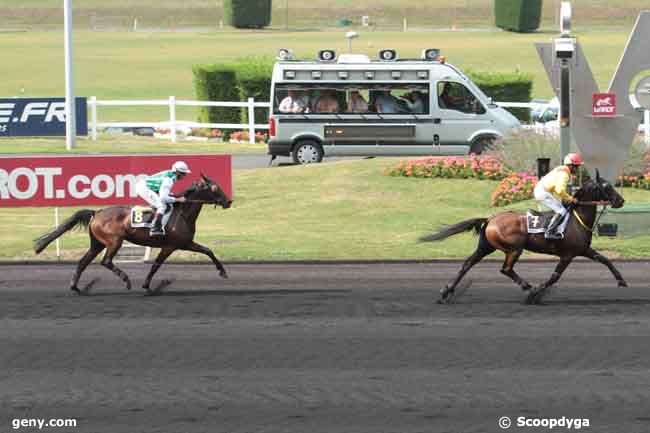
x=552, y=190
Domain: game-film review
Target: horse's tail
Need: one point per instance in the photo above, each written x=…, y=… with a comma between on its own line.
x=463, y=226
x=80, y=218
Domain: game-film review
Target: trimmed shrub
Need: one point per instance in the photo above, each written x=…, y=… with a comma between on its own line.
x=521, y=16
x=247, y=14
x=254, y=81
x=506, y=87
x=216, y=83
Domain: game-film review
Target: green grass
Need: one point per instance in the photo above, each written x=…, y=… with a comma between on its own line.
x=118, y=143
x=312, y=14
x=156, y=65
x=343, y=210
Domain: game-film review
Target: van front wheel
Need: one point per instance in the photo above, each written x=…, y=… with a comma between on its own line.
x=307, y=152
x=481, y=144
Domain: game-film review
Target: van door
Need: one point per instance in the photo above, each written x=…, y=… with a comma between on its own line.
x=460, y=114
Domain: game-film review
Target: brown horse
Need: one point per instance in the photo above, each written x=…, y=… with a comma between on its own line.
x=109, y=227
x=508, y=232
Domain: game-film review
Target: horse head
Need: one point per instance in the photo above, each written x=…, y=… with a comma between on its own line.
x=600, y=189
x=212, y=192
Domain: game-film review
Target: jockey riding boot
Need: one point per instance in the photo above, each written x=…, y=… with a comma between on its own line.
x=551, y=231
x=157, y=229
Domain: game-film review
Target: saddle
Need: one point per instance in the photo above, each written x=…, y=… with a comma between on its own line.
x=143, y=216
x=537, y=222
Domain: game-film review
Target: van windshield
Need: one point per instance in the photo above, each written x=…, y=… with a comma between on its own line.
x=351, y=98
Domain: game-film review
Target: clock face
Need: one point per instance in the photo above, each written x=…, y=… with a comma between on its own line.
x=642, y=92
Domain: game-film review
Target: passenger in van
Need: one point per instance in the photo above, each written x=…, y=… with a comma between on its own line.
x=449, y=101
x=356, y=103
x=414, y=102
x=387, y=103
x=294, y=103
x=327, y=103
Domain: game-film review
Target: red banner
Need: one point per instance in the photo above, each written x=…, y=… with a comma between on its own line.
x=97, y=180
x=603, y=104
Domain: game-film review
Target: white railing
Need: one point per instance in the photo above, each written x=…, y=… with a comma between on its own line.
x=173, y=124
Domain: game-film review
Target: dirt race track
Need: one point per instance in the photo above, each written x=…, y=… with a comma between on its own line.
x=324, y=348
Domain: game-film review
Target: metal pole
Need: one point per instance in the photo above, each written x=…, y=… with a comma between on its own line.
x=565, y=111
x=70, y=112
x=56, y=224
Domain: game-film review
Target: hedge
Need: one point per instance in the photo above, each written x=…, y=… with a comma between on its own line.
x=216, y=83
x=518, y=15
x=506, y=87
x=247, y=14
x=254, y=81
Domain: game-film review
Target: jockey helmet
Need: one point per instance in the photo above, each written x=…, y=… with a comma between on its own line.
x=573, y=159
x=180, y=167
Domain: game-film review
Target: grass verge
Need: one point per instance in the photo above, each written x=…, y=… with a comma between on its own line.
x=342, y=210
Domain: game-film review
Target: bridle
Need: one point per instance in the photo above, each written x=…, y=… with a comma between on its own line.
x=603, y=203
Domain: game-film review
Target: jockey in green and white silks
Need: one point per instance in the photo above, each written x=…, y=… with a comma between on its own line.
x=156, y=190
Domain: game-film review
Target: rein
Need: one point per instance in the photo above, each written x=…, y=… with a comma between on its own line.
x=604, y=204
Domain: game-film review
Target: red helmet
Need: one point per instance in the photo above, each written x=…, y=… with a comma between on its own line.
x=573, y=159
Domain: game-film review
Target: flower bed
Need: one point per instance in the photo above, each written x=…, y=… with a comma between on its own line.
x=452, y=167
x=513, y=188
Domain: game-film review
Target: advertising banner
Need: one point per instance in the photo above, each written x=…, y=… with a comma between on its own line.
x=603, y=104
x=39, y=117
x=97, y=180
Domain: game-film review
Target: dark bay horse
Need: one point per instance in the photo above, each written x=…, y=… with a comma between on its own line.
x=507, y=232
x=109, y=227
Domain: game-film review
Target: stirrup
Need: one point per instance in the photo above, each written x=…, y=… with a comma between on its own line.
x=554, y=235
x=155, y=231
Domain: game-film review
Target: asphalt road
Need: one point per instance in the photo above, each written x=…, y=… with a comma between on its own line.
x=324, y=348
x=246, y=162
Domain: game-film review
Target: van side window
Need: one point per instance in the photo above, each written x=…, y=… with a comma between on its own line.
x=351, y=98
x=455, y=96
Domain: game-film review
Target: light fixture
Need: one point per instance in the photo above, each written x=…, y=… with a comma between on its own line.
x=327, y=55
x=284, y=54
x=343, y=75
x=396, y=74
x=370, y=75
x=423, y=75
x=316, y=75
x=430, y=54
x=387, y=55
x=289, y=75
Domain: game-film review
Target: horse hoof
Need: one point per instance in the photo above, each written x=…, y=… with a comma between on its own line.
x=75, y=289
x=622, y=283
x=223, y=274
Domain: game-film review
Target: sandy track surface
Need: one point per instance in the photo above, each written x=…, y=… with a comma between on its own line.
x=332, y=348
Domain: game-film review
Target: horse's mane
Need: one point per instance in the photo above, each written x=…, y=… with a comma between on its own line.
x=191, y=189
x=587, y=190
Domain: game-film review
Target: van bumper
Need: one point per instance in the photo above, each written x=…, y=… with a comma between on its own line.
x=279, y=147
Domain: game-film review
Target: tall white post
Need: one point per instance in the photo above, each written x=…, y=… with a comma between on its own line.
x=70, y=112
x=93, y=117
x=251, y=120
x=172, y=118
